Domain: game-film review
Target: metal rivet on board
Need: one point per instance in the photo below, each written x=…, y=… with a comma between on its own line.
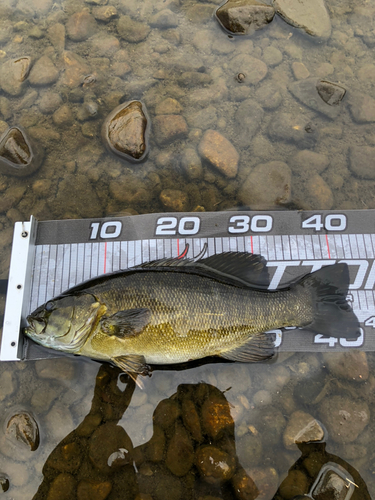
x=13, y=344
x=24, y=234
x=19, y=287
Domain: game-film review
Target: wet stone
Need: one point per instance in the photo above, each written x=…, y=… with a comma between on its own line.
x=166, y=413
x=164, y=19
x=293, y=128
x=174, y=200
x=249, y=450
x=331, y=485
x=308, y=162
x=93, y=490
x=215, y=465
x=242, y=17
x=362, y=161
x=168, y=106
x=362, y=108
x=191, y=419
x=300, y=71
x=155, y=446
x=80, y=26
x=168, y=487
x=110, y=448
x=125, y=131
x=23, y=428
x=267, y=186
x=180, y=452
x=13, y=74
x=272, y=56
x=216, y=417
x=17, y=156
x=344, y=418
x=309, y=15
x=44, y=72
x=132, y=31
x=7, y=384
x=75, y=69
x=244, y=487
x=319, y=95
x=62, y=488
x=104, y=13
x=56, y=34
x=253, y=69
x=248, y=119
x=58, y=369
x=169, y=128
x=296, y=483
x=302, y=428
x=66, y=458
x=350, y=365
x=4, y=482
x=63, y=116
x=219, y=152
x=191, y=164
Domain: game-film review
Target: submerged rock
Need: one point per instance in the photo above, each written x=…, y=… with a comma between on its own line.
x=23, y=428
x=241, y=17
x=219, y=152
x=44, y=72
x=214, y=464
x=125, y=131
x=17, y=155
x=169, y=128
x=302, y=428
x=310, y=15
x=13, y=74
x=174, y=200
x=4, y=482
x=362, y=161
x=320, y=95
x=132, y=31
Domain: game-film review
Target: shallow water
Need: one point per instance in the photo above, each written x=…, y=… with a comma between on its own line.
x=194, y=77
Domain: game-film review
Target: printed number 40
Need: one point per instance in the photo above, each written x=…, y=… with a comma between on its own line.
x=332, y=341
x=332, y=222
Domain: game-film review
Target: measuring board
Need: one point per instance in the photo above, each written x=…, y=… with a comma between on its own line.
x=51, y=256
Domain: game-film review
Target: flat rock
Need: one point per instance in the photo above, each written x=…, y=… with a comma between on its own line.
x=302, y=428
x=164, y=19
x=80, y=26
x=75, y=69
x=132, y=31
x=104, y=13
x=13, y=74
x=268, y=186
x=180, y=452
x=44, y=72
x=244, y=486
x=168, y=106
x=174, y=200
x=125, y=131
x=56, y=34
x=252, y=69
x=308, y=162
x=317, y=194
x=293, y=128
x=248, y=119
x=362, y=161
x=241, y=17
x=191, y=164
x=219, y=152
x=169, y=128
x=319, y=95
x=344, y=418
x=351, y=365
x=309, y=15
x=362, y=108
x=110, y=448
x=214, y=465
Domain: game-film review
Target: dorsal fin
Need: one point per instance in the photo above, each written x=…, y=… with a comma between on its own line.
x=249, y=269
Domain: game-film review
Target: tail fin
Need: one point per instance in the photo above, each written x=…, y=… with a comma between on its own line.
x=333, y=315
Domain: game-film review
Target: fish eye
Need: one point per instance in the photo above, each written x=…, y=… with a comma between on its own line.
x=49, y=306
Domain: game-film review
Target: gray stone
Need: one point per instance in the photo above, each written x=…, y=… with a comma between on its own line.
x=125, y=131
x=63, y=117
x=194, y=78
x=249, y=450
x=191, y=164
x=302, y=428
x=168, y=106
x=174, y=200
x=268, y=96
x=308, y=162
x=56, y=34
x=362, y=161
x=310, y=15
x=215, y=465
x=362, y=108
x=13, y=74
x=219, y=152
x=316, y=194
x=344, y=418
x=319, y=95
x=104, y=13
x=272, y=56
x=268, y=186
x=203, y=119
x=293, y=128
x=248, y=119
x=242, y=17
x=169, y=128
x=254, y=70
x=44, y=72
x=164, y=19
x=80, y=26
x=351, y=365
x=132, y=31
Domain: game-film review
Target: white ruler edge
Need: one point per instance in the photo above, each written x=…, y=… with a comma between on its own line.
x=19, y=286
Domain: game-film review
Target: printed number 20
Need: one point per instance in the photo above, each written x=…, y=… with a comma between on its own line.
x=167, y=226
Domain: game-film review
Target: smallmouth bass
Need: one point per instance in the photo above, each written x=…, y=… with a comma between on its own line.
x=178, y=310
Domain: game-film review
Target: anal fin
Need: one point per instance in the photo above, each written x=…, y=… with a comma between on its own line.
x=132, y=365
x=259, y=347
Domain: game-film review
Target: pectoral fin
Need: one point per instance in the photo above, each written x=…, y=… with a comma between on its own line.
x=128, y=323
x=133, y=365
x=258, y=348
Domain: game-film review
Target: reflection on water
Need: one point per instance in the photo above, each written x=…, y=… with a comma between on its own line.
x=259, y=121
x=226, y=431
